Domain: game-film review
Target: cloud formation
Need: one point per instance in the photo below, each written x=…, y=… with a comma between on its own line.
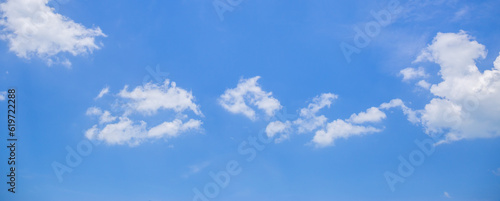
x=412, y=73
x=33, y=29
x=465, y=103
x=150, y=98
x=103, y=92
x=249, y=93
x=145, y=101
x=325, y=133
x=308, y=119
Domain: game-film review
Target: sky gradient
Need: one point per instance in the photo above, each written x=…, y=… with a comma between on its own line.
x=252, y=100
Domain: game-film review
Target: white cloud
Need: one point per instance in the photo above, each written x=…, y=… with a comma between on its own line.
x=174, y=128
x=248, y=92
x=102, y=93
x=106, y=117
x=410, y=114
x=278, y=127
x=424, y=84
x=340, y=129
x=372, y=114
x=148, y=100
x=124, y=131
x=326, y=133
x=91, y=111
x=412, y=73
x=466, y=104
x=33, y=29
x=193, y=169
x=446, y=195
x=355, y=124
x=308, y=120
x=2, y=95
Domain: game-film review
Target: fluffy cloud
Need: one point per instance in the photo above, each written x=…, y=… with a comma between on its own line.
x=145, y=100
x=104, y=117
x=150, y=98
x=412, y=73
x=325, y=133
x=340, y=129
x=372, y=114
x=424, y=84
x=174, y=128
x=248, y=92
x=33, y=29
x=412, y=115
x=308, y=120
x=278, y=127
x=357, y=124
x=466, y=104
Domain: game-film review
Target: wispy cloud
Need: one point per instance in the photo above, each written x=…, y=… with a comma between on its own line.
x=103, y=92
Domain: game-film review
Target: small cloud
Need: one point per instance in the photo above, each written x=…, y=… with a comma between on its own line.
x=278, y=127
x=194, y=169
x=372, y=114
x=496, y=172
x=2, y=95
x=424, y=84
x=461, y=13
x=309, y=120
x=102, y=93
x=412, y=73
x=447, y=195
x=248, y=92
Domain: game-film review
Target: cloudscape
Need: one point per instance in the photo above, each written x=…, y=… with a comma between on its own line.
x=249, y=100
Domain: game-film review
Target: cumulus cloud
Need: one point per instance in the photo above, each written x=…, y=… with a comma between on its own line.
x=372, y=114
x=340, y=129
x=325, y=133
x=248, y=92
x=358, y=124
x=411, y=114
x=104, y=117
x=308, y=119
x=33, y=29
x=412, y=73
x=466, y=104
x=174, y=128
x=278, y=127
x=424, y=84
x=146, y=100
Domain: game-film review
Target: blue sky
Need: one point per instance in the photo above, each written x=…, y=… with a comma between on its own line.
x=149, y=100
